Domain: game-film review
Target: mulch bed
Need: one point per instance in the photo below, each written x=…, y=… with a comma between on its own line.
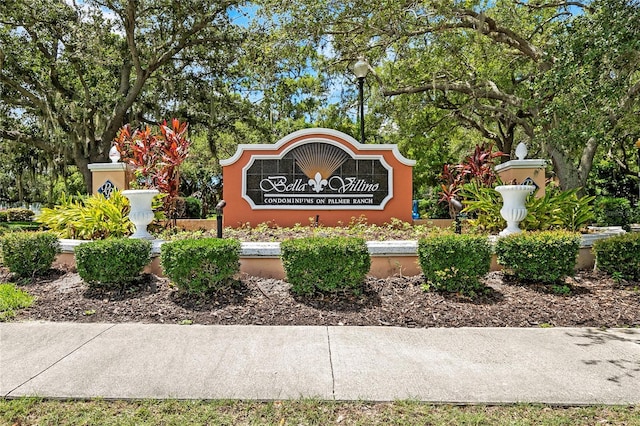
x=595, y=301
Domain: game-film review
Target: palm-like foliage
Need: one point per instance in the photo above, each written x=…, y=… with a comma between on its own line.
x=556, y=210
x=94, y=218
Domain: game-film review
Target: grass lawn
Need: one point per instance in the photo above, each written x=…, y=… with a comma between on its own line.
x=11, y=299
x=29, y=411
x=21, y=226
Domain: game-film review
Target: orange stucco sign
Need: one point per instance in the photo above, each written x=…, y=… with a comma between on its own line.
x=316, y=172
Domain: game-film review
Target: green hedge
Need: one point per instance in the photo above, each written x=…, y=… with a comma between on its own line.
x=112, y=262
x=29, y=253
x=455, y=262
x=201, y=265
x=546, y=257
x=325, y=264
x=20, y=215
x=619, y=255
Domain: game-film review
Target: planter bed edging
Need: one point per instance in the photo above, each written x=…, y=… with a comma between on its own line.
x=388, y=258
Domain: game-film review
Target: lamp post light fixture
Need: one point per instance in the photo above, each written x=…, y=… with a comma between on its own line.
x=361, y=69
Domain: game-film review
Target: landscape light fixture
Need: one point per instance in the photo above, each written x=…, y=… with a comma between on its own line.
x=361, y=69
x=457, y=208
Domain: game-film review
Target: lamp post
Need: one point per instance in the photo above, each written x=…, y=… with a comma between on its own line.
x=361, y=69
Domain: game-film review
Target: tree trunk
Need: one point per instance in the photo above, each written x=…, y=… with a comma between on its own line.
x=570, y=175
x=83, y=167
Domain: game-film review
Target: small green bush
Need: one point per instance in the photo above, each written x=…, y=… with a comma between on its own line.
x=201, y=265
x=20, y=215
x=188, y=207
x=29, y=253
x=112, y=262
x=611, y=211
x=193, y=207
x=455, y=262
x=546, y=257
x=4, y=216
x=325, y=264
x=432, y=207
x=12, y=298
x=635, y=214
x=619, y=255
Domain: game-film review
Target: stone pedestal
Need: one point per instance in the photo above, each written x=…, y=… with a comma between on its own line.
x=109, y=176
x=523, y=172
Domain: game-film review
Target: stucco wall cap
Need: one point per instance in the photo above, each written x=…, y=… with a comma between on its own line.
x=318, y=134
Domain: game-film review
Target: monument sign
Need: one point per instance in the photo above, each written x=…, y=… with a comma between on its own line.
x=316, y=172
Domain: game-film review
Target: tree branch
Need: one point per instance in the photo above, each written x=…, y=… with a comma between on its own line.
x=478, y=126
x=130, y=30
x=630, y=96
x=23, y=138
x=36, y=102
x=586, y=159
x=488, y=26
x=555, y=5
x=489, y=91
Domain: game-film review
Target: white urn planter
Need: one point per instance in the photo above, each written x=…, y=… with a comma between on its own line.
x=141, y=213
x=513, y=206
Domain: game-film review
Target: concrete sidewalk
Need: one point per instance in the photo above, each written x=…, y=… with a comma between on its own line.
x=456, y=365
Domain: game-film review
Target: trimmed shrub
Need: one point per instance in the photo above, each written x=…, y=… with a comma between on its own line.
x=12, y=298
x=325, y=264
x=112, y=262
x=619, y=255
x=201, y=265
x=29, y=253
x=4, y=216
x=546, y=257
x=455, y=262
x=20, y=215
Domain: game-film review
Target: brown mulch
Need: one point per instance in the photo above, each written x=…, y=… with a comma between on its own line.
x=595, y=301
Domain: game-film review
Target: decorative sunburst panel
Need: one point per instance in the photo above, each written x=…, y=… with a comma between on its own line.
x=320, y=158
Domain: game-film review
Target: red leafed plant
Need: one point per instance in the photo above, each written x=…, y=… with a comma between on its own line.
x=452, y=184
x=157, y=157
x=477, y=167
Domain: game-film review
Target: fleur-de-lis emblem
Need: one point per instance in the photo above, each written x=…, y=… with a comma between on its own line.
x=317, y=184
x=318, y=161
